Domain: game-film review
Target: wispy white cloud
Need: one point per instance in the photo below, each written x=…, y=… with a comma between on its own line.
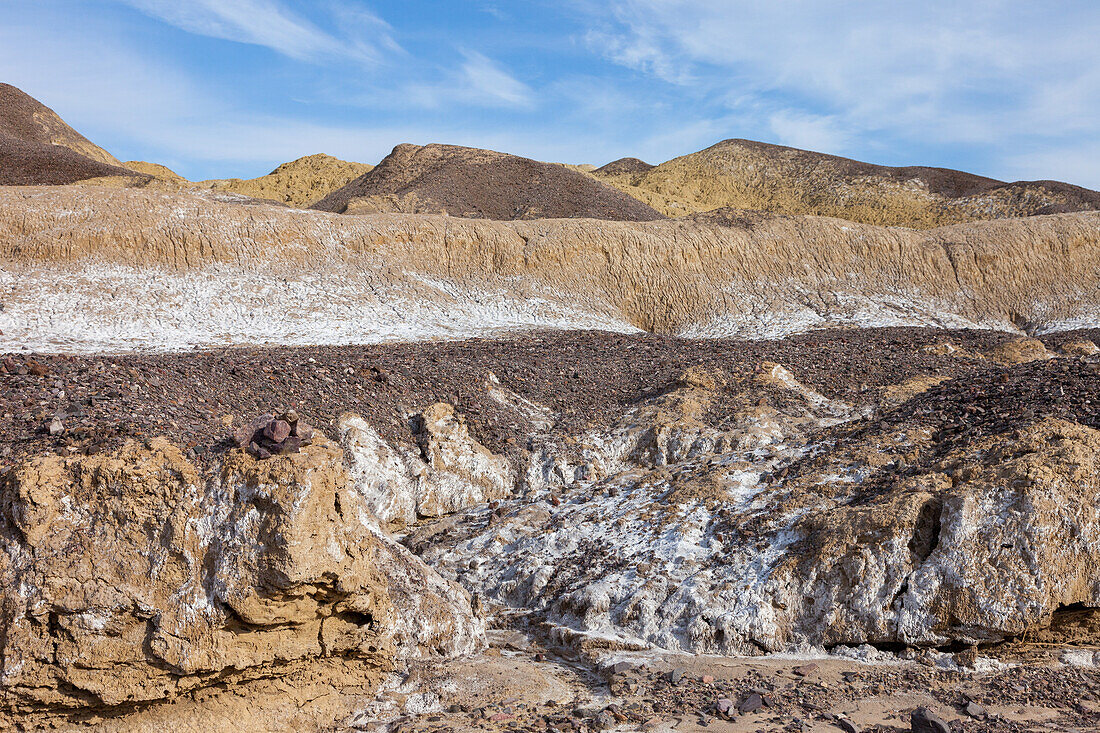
x=986, y=73
x=1076, y=161
x=808, y=131
x=476, y=81
x=484, y=79
x=268, y=23
x=139, y=108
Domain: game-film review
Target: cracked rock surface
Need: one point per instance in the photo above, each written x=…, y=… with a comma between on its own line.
x=134, y=580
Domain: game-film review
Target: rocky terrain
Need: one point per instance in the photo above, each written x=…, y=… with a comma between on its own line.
x=594, y=497
x=743, y=174
x=482, y=184
x=480, y=443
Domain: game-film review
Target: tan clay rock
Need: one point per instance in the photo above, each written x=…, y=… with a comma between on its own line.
x=132, y=578
x=1080, y=347
x=1019, y=351
x=462, y=471
x=213, y=262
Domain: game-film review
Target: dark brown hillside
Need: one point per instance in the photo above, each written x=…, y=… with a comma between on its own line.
x=482, y=184
x=38, y=148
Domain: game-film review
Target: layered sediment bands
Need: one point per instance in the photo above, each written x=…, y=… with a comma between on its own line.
x=86, y=268
x=131, y=578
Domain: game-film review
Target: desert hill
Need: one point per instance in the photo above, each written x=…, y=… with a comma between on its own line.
x=38, y=148
x=624, y=165
x=483, y=184
x=298, y=183
x=156, y=170
x=743, y=174
x=26, y=118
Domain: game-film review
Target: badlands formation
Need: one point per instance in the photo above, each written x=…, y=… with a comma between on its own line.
x=750, y=175
x=755, y=439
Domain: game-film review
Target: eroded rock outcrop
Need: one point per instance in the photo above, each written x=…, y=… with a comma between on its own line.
x=131, y=578
x=451, y=471
x=770, y=534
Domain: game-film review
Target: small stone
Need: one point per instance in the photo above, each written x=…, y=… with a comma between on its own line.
x=751, y=704
x=304, y=431
x=291, y=416
x=37, y=369
x=587, y=711
x=846, y=725
x=967, y=657
x=924, y=720
x=974, y=710
x=56, y=426
x=277, y=430
x=246, y=434
x=724, y=706
x=606, y=720
x=805, y=670
x=707, y=679
x=675, y=676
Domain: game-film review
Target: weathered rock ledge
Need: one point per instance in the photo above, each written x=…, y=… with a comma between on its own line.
x=130, y=580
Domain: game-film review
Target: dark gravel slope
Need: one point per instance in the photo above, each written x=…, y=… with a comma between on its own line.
x=482, y=184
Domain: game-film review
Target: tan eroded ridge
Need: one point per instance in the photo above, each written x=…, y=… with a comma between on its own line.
x=743, y=174
x=663, y=276
x=298, y=183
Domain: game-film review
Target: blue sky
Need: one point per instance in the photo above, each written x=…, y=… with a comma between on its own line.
x=217, y=88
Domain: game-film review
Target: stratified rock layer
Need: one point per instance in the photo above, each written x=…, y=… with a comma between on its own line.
x=101, y=268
